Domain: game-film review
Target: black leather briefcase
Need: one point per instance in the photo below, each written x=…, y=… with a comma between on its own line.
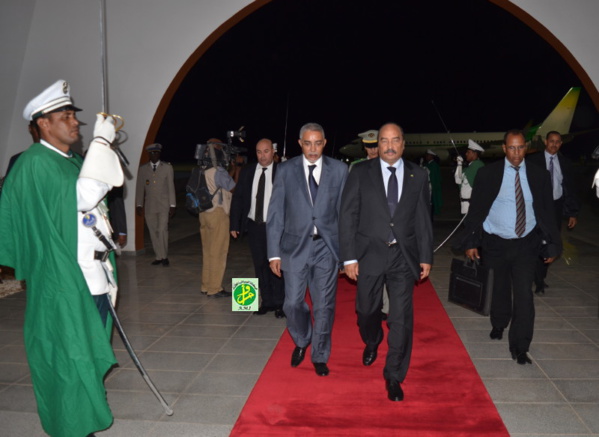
x=471, y=285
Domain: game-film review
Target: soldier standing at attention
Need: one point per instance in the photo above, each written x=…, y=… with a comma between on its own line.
x=155, y=196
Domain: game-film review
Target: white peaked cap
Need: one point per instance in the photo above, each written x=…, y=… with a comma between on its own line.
x=57, y=96
x=370, y=136
x=430, y=152
x=473, y=145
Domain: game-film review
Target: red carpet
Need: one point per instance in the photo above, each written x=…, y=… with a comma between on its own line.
x=444, y=396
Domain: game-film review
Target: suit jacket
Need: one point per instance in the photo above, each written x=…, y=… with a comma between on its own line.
x=366, y=222
x=291, y=216
x=571, y=204
x=486, y=188
x=242, y=197
x=155, y=189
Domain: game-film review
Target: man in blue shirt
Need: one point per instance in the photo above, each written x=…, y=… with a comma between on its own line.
x=511, y=214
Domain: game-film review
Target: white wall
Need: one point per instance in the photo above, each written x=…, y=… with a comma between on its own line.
x=148, y=42
x=574, y=23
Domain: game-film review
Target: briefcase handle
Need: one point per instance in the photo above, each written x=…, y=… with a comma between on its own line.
x=472, y=264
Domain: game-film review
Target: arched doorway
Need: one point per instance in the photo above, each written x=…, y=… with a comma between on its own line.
x=364, y=61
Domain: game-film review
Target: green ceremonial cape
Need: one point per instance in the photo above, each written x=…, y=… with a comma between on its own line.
x=435, y=178
x=471, y=170
x=67, y=346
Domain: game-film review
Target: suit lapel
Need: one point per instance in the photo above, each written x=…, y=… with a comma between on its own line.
x=249, y=181
x=408, y=177
x=300, y=176
x=376, y=177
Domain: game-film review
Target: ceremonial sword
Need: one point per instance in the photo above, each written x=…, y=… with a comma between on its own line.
x=117, y=322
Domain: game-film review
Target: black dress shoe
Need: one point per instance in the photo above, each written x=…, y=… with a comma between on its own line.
x=369, y=356
x=165, y=262
x=540, y=289
x=496, y=333
x=298, y=355
x=156, y=262
x=522, y=358
x=394, y=391
x=221, y=293
x=321, y=369
x=279, y=313
x=262, y=310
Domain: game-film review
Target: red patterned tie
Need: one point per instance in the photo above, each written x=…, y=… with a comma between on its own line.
x=520, y=210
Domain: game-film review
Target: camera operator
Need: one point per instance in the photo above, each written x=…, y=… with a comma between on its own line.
x=214, y=222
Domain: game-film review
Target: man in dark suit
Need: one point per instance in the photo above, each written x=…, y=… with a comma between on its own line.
x=249, y=210
x=386, y=238
x=303, y=241
x=565, y=202
x=511, y=213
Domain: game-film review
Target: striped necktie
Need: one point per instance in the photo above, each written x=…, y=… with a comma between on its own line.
x=551, y=169
x=520, y=210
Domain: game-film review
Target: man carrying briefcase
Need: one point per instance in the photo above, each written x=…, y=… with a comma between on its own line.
x=510, y=216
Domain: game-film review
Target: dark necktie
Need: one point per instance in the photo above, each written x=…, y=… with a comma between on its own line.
x=259, y=213
x=392, y=191
x=520, y=210
x=154, y=167
x=312, y=183
x=392, y=194
x=551, y=169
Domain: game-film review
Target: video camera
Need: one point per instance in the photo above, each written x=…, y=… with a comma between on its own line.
x=215, y=154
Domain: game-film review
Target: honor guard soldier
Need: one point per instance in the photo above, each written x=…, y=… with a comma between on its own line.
x=155, y=196
x=465, y=178
x=67, y=339
x=370, y=145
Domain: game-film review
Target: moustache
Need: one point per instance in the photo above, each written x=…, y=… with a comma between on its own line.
x=390, y=152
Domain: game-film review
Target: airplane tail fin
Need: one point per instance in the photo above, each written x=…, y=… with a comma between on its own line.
x=560, y=118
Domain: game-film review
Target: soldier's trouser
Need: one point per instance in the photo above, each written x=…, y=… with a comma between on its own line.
x=158, y=226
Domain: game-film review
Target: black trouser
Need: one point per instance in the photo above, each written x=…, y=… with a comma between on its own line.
x=400, y=286
x=272, y=288
x=541, y=268
x=513, y=263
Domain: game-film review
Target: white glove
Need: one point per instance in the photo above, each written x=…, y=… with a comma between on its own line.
x=459, y=160
x=104, y=128
x=102, y=164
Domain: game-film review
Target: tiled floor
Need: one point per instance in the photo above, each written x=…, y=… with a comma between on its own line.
x=205, y=359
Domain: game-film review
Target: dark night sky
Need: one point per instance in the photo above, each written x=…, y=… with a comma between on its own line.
x=351, y=66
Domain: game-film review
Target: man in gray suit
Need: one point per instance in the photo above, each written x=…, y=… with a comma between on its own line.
x=155, y=199
x=386, y=239
x=303, y=241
